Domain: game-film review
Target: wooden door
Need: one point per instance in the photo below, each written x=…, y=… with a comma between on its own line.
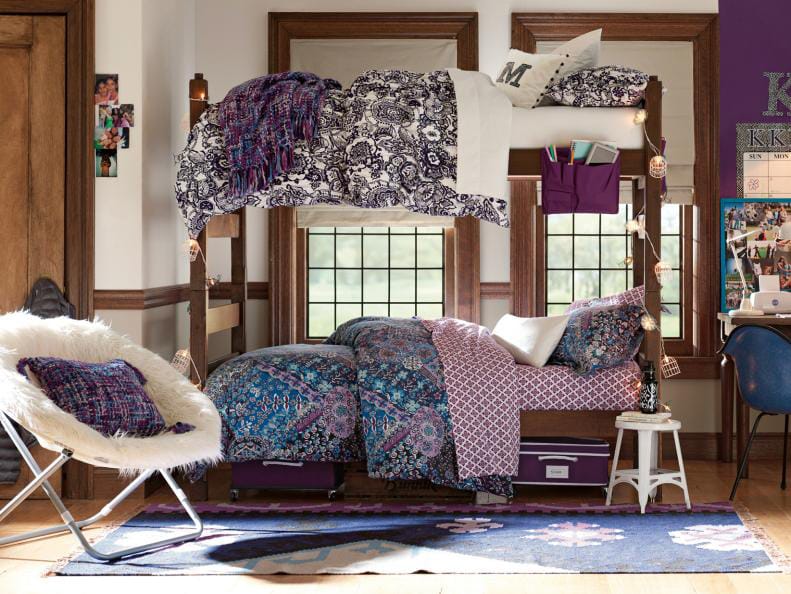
x=32, y=154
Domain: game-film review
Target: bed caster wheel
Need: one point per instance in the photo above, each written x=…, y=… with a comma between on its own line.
x=234, y=495
x=332, y=495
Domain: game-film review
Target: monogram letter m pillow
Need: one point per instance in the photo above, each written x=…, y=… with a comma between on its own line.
x=526, y=77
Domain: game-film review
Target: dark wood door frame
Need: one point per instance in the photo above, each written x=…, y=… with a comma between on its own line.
x=79, y=256
x=702, y=30
x=79, y=170
x=283, y=244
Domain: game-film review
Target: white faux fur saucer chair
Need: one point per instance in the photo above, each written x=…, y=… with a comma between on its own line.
x=25, y=335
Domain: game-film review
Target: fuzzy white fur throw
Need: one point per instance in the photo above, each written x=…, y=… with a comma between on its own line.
x=25, y=335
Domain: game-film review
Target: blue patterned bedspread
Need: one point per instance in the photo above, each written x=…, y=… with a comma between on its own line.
x=374, y=391
x=296, y=402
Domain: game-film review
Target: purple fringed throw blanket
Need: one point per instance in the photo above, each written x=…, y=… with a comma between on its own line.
x=262, y=119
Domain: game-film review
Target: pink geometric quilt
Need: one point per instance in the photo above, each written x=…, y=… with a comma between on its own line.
x=483, y=396
x=487, y=390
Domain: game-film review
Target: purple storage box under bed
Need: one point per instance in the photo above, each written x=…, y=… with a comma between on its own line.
x=563, y=461
x=298, y=476
x=578, y=188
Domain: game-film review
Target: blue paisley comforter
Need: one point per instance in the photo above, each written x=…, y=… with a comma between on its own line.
x=374, y=391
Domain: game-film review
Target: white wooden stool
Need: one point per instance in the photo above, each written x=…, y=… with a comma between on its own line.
x=647, y=477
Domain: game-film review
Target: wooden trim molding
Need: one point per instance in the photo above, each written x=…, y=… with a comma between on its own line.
x=496, y=291
x=170, y=295
x=285, y=26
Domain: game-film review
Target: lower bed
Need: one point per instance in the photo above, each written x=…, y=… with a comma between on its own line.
x=379, y=394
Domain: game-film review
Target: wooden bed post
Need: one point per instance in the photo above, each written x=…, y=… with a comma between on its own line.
x=653, y=221
x=203, y=319
x=199, y=291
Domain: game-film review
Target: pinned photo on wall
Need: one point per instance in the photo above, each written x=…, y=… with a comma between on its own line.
x=105, y=89
x=104, y=116
x=125, y=118
x=106, y=138
x=124, y=143
x=107, y=163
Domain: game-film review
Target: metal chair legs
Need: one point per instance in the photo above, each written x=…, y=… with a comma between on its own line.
x=785, y=454
x=75, y=527
x=746, y=455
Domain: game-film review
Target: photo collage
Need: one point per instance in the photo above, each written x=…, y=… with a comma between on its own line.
x=113, y=122
x=760, y=251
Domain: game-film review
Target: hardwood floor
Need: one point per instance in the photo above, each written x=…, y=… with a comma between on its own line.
x=22, y=566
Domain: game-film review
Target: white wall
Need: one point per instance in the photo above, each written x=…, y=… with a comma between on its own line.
x=119, y=214
x=151, y=45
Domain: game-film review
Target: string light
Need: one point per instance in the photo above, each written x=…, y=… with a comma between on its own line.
x=633, y=226
x=670, y=367
x=648, y=322
x=182, y=361
x=192, y=247
x=640, y=116
x=664, y=272
x=657, y=167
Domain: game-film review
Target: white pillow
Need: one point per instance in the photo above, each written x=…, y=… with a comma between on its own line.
x=530, y=340
x=526, y=77
x=581, y=52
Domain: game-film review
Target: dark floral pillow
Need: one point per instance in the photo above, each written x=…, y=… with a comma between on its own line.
x=108, y=397
x=605, y=86
x=599, y=337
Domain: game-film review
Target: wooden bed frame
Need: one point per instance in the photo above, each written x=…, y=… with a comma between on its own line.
x=523, y=164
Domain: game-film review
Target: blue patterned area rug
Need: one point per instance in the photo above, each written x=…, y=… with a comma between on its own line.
x=395, y=539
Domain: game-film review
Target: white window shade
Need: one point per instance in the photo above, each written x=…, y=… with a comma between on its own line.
x=332, y=215
x=345, y=59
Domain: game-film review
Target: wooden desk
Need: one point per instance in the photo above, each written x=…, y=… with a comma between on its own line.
x=730, y=388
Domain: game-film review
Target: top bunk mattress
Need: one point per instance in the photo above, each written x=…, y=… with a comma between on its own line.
x=560, y=124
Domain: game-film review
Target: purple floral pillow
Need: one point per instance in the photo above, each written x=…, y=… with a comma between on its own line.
x=106, y=396
x=599, y=337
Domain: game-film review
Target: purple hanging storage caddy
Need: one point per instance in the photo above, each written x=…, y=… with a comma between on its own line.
x=579, y=188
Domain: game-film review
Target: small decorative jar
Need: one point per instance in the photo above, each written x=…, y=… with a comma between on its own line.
x=649, y=391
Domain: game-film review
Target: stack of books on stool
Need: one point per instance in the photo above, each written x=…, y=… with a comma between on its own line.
x=638, y=417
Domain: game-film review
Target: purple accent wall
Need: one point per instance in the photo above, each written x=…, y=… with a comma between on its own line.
x=754, y=38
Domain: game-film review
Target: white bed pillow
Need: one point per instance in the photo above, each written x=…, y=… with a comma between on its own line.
x=581, y=52
x=531, y=341
x=524, y=77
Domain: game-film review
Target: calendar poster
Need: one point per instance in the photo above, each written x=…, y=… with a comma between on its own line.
x=762, y=252
x=763, y=160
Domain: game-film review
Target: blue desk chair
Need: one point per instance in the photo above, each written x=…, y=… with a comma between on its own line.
x=762, y=357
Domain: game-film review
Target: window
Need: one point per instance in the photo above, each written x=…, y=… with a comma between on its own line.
x=586, y=256
x=387, y=271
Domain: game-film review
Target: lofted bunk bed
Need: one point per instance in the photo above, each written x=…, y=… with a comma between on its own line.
x=532, y=130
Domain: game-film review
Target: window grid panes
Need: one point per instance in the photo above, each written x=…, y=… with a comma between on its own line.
x=585, y=256
x=387, y=271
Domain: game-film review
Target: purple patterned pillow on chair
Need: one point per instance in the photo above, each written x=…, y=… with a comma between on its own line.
x=106, y=396
x=599, y=337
